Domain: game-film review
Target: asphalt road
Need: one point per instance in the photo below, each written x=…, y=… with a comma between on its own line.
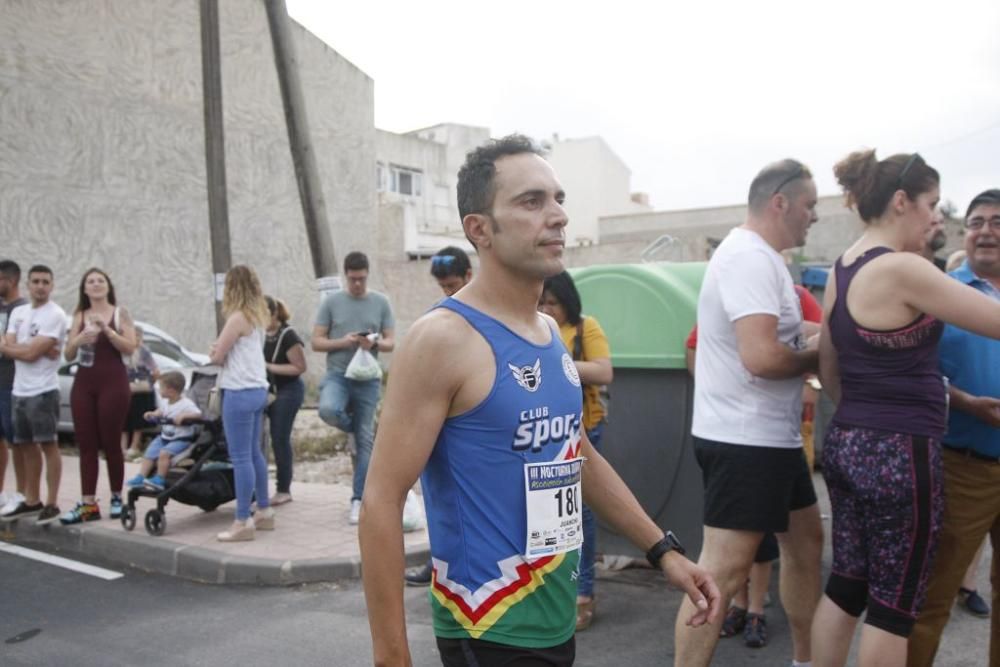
x=51, y=616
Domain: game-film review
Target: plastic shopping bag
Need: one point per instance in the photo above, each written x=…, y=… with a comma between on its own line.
x=363, y=366
x=413, y=513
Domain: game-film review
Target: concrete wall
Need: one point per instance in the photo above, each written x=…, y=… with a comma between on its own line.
x=102, y=159
x=693, y=229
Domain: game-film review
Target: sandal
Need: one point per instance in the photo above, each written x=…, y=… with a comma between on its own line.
x=585, y=614
x=735, y=621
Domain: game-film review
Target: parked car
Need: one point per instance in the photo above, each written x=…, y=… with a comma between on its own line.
x=168, y=353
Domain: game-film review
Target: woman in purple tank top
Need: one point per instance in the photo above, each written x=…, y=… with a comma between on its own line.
x=884, y=310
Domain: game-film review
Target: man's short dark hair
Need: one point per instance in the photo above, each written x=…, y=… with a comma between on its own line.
x=450, y=261
x=10, y=269
x=774, y=178
x=991, y=196
x=355, y=261
x=40, y=268
x=476, y=186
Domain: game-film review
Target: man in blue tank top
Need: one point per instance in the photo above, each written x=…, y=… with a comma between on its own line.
x=484, y=399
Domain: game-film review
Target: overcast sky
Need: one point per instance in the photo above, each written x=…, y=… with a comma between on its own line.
x=694, y=97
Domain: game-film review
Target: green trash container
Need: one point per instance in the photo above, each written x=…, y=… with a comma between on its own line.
x=647, y=311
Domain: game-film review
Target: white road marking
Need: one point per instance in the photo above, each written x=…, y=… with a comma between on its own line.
x=58, y=561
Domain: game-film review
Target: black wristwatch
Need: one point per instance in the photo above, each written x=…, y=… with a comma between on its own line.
x=667, y=544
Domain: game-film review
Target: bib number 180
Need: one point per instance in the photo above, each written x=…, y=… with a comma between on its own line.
x=567, y=501
x=553, y=507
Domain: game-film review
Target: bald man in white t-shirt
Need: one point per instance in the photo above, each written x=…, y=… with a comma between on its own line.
x=748, y=408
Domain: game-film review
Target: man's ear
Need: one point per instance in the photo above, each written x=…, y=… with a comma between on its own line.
x=778, y=202
x=479, y=229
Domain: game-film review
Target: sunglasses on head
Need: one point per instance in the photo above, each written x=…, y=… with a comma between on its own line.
x=442, y=260
x=906, y=169
x=798, y=173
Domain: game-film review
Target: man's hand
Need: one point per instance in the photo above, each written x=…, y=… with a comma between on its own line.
x=986, y=409
x=697, y=583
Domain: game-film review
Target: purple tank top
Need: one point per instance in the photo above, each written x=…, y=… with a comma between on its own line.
x=889, y=380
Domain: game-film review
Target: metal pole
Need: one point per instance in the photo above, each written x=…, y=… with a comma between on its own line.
x=215, y=152
x=303, y=155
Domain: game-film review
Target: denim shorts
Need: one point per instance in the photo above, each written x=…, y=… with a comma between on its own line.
x=35, y=418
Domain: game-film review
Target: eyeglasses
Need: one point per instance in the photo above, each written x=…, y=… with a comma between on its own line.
x=977, y=223
x=906, y=169
x=443, y=260
x=798, y=173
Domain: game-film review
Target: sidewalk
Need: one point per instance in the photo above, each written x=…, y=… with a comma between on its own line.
x=312, y=540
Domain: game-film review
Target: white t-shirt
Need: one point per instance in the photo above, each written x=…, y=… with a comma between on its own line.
x=184, y=405
x=32, y=378
x=745, y=277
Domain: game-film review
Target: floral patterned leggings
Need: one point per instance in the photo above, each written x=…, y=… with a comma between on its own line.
x=886, y=493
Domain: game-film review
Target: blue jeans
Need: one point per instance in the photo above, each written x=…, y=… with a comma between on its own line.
x=585, y=582
x=282, y=416
x=242, y=415
x=350, y=406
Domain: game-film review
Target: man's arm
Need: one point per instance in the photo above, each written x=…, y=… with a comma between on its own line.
x=984, y=408
x=765, y=356
x=606, y=493
x=425, y=377
x=322, y=343
x=386, y=340
x=35, y=349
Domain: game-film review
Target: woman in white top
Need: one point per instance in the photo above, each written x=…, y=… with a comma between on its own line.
x=239, y=349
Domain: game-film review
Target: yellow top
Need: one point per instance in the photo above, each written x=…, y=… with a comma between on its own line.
x=594, y=346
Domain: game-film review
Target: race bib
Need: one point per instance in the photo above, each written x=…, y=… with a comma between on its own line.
x=555, y=506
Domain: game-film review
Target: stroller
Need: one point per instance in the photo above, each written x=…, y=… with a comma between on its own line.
x=201, y=475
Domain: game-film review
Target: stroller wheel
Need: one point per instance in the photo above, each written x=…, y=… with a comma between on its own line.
x=128, y=517
x=156, y=522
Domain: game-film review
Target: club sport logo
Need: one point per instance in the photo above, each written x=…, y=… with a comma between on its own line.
x=529, y=377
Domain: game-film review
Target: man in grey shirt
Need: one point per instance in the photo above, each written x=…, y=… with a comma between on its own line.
x=344, y=320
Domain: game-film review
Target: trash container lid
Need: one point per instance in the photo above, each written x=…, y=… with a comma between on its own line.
x=646, y=310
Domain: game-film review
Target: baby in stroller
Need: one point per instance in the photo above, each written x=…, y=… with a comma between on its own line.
x=175, y=436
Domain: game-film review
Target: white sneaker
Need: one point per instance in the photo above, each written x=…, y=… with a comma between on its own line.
x=355, y=513
x=12, y=501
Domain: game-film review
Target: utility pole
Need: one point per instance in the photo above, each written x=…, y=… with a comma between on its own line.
x=303, y=155
x=215, y=152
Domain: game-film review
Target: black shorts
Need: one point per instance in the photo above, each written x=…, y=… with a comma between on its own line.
x=479, y=653
x=752, y=488
x=36, y=417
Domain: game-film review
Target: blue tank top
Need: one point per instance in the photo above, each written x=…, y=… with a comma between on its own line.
x=483, y=586
x=889, y=380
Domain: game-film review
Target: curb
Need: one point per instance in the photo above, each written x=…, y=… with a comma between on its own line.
x=164, y=556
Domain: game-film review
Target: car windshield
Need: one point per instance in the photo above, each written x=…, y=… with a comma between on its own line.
x=163, y=349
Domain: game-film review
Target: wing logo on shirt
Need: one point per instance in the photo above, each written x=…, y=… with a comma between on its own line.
x=529, y=377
